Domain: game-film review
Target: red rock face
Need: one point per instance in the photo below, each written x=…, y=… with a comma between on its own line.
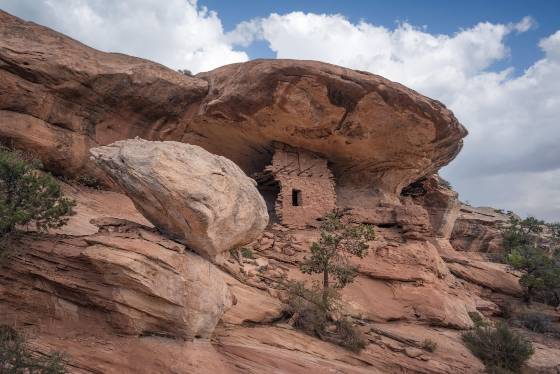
x=98, y=290
x=59, y=98
x=478, y=229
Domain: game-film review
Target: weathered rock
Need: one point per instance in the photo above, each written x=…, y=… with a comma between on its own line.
x=545, y=360
x=251, y=305
x=478, y=229
x=440, y=201
x=413, y=261
x=414, y=221
x=269, y=349
x=60, y=97
x=204, y=199
x=98, y=288
x=96, y=208
x=127, y=281
x=487, y=274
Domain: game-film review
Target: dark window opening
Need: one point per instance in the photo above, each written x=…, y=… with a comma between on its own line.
x=296, y=198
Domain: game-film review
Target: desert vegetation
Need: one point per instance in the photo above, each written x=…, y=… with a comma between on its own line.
x=28, y=196
x=16, y=357
x=532, y=246
x=317, y=310
x=501, y=349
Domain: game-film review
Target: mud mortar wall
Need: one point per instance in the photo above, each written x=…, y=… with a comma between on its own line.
x=306, y=186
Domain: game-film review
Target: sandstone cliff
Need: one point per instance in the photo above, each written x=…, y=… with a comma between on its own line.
x=119, y=296
x=60, y=98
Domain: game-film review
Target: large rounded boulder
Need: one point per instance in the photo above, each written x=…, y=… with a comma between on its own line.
x=203, y=199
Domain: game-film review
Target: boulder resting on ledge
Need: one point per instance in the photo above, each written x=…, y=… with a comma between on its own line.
x=203, y=199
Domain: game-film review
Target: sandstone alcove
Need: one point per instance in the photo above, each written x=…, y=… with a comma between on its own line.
x=298, y=185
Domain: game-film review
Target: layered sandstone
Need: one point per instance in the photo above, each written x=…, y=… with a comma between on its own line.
x=478, y=229
x=118, y=295
x=125, y=279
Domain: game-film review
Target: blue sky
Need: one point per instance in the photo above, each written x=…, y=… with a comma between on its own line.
x=495, y=64
x=439, y=16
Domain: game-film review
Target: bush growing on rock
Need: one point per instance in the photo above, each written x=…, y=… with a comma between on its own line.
x=477, y=319
x=520, y=233
x=536, y=322
x=28, y=197
x=247, y=253
x=89, y=181
x=313, y=310
x=542, y=274
x=429, y=345
x=526, y=250
x=500, y=349
x=330, y=256
x=16, y=358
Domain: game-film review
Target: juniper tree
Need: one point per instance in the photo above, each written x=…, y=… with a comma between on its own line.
x=330, y=256
x=521, y=232
x=16, y=357
x=525, y=251
x=28, y=196
x=542, y=273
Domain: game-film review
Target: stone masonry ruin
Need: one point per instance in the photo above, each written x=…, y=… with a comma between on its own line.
x=298, y=186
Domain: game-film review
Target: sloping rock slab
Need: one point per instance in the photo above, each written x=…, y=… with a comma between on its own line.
x=131, y=282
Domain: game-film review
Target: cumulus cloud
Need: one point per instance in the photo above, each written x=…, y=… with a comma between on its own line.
x=407, y=54
x=511, y=158
x=177, y=33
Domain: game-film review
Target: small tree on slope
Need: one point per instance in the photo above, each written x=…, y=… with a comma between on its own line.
x=331, y=255
x=524, y=251
x=28, y=197
x=312, y=309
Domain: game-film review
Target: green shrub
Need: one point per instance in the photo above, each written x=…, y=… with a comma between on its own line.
x=16, y=358
x=477, y=319
x=507, y=310
x=337, y=244
x=308, y=309
x=536, y=322
x=541, y=279
x=500, y=349
x=537, y=255
x=247, y=253
x=311, y=310
x=429, y=345
x=347, y=336
x=88, y=181
x=28, y=197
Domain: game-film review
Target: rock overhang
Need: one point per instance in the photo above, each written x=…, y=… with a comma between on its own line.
x=373, y=131
x=376, y=134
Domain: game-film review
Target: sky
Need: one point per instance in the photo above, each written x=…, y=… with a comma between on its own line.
x=495, y=64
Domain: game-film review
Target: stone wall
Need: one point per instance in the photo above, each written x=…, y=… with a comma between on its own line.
x=306, y=186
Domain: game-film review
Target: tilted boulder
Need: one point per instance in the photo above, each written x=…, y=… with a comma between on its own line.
x=204, y=199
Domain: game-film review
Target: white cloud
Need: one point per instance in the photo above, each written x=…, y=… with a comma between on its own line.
x=525, y=24
x=407, y=54
x=176, y=33
x=513, y=121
